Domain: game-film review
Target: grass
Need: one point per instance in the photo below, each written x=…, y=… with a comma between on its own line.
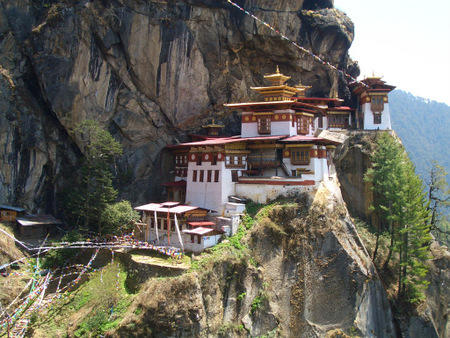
x=8, y=227
x=95, y=308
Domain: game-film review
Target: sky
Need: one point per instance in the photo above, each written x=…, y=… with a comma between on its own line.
x=405, y=41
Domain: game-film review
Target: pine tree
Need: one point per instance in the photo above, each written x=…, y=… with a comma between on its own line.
x=401, y=206
x=95, y=191
x=414, y=238
x=385, y=176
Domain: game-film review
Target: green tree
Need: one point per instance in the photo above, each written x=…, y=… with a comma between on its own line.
x=401, y=206
x=414, y=238
x=439, y=196
x=387, y=180
x=117, y=217
x=95, y=191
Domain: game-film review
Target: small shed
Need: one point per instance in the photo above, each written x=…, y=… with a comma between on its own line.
x=37, y=225
x=9, y=214
x=201, y=238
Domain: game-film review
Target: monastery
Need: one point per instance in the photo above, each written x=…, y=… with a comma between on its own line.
x=280, y=152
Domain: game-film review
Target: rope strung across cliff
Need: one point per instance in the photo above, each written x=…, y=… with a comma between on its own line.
x=303, y=49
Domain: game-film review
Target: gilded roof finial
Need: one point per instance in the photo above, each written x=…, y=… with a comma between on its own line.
x=278, y=70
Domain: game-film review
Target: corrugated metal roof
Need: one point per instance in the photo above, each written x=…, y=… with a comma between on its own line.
x=179, y=209
x=7, y=207
x=170, y=204
x=34, y=220
x=199, y=231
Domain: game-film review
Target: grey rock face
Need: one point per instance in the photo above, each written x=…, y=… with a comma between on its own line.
x=150, y=72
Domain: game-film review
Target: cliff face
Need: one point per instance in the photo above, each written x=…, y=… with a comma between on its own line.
x=149, y=72
x=308, y=276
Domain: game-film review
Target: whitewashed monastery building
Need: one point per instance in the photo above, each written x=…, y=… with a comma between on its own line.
x=279, y=152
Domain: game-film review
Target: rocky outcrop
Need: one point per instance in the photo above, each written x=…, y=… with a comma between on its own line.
x=307, y=274
x=149, y=72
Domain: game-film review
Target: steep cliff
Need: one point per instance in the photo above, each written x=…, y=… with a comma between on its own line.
x=149, y=71
x=303, y=272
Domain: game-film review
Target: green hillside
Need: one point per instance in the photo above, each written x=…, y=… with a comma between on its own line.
x=423, y=127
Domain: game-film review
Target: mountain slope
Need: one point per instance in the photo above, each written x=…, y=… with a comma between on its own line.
x=423, y=127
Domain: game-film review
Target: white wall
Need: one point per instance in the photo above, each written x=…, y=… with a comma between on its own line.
x=263, y=193
x=283, y=128
x=249, y=129
x=368, y=118
x=206, y=242
x=209, y=195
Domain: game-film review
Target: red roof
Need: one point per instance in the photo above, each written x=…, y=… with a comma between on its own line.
x=344, y=108
x=262, y=138
x=208, y=142
x=326, y=99
x=302, y=138
x=181, y=183
x=202, y=224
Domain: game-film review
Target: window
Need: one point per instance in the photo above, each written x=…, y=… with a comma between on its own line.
x=264, y=125
x=194, y=176
x=236, y=161
x=377, y=119
x=300, y=156
x=377, y=104
x=214, y=160
x=320, y=122
x=216, y=175
x=338, y=121
x=234, y=176
x=202, y=175
x=209, y=176
x=303, y=125
x=199, y=159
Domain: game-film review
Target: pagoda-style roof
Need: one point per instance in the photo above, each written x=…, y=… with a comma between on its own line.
x=213, y=128
x=279, y=91
x=277, y=78
x=372, y=84
x=213, y=125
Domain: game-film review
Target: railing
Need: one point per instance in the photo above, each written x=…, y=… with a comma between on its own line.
x=338, y=125
x=263, y=162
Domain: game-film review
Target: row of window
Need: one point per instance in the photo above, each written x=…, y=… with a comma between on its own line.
x=213, y=160
x=199, y=175
x=300, y=157
x=338, y=121
x=303, y=123
x=181, y=172
x=181, y=160
x=235, y=161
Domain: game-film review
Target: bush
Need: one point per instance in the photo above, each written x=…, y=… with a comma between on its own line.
x=117, y=218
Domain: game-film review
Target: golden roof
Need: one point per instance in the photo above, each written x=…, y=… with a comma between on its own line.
x=214, y=125
x=277, y=78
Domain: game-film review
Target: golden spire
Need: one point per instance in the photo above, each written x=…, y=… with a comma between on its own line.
x=277, y=78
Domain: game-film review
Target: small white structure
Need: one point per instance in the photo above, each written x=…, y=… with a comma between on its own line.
x=180, y=226
x=373, y=103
